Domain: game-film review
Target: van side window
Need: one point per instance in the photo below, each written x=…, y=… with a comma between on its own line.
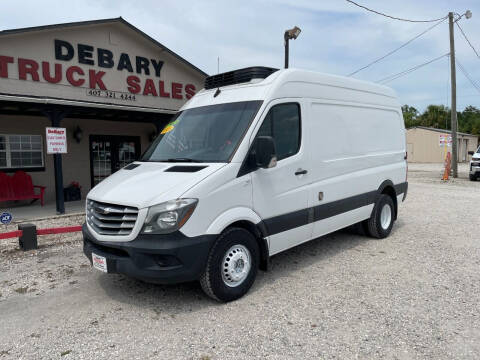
x=283, y=124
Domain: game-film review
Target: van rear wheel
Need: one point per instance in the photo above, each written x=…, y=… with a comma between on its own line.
x=232, y=265
x=383, y=216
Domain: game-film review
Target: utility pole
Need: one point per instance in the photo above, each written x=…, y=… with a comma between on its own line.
x=454, y=97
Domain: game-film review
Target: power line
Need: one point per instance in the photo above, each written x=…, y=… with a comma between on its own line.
x=468, y=41
x=395, y=50
x=408, y=71
x=468, y=76
x=393, y=17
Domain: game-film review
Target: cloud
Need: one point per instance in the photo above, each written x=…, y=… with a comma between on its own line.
x=336, y=37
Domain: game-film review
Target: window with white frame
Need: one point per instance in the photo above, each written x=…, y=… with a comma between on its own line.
x=21, y=151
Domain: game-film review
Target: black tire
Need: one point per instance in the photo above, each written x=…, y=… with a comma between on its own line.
x=212, y=280
x=373, y=226
x=472, y=177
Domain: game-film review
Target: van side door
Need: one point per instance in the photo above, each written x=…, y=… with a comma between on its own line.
x=280, y=194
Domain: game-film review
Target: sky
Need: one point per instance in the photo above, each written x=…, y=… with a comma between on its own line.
x=336, y=36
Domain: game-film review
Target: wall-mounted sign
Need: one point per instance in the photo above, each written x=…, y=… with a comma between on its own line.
x=56, y=140
x=444, y=140
x=67, y=55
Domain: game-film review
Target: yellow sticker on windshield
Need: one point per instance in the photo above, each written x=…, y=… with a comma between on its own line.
x=169, y=127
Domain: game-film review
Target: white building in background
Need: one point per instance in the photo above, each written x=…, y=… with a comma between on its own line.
x=428, y=145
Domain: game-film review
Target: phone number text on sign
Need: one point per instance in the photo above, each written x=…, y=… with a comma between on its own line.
x=111, y=95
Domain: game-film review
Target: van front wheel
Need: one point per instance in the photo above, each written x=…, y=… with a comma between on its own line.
x=381, y=222
x=232, y=265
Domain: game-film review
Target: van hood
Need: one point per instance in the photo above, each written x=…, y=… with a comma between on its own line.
x=143, y=184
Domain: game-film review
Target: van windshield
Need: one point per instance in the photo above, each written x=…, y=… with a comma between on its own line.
x=205, y=134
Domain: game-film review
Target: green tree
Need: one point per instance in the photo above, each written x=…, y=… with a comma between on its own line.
x=469, y=120
x=436, y=116
x=439, y=117
x=410, y=116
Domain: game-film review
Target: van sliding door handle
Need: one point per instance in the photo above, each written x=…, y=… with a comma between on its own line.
x=300, y=172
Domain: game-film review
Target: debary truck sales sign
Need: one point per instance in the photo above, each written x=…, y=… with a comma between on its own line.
x=94, y=79
x=107, y=63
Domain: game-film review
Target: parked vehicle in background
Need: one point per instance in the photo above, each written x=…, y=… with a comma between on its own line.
x=259, y=161
x=475, y=165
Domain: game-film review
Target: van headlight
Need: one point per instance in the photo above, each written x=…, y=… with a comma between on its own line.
x=169, y=216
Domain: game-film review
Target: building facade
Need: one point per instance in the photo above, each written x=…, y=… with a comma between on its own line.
x=111, y=86
x=429, y=145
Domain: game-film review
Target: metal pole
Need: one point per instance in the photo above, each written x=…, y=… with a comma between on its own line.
x=56, y=116
x=454, y=97
x=286, y=50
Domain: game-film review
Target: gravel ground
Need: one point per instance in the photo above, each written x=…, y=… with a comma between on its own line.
x=413, y=295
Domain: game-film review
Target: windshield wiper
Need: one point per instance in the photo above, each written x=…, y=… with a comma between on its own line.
x=183, y=160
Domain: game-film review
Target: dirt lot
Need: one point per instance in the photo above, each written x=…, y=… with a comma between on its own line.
x=413, y=295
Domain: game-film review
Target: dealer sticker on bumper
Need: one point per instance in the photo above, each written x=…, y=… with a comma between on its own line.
x=99, y=262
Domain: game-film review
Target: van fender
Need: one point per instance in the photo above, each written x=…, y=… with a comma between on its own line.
x=231, y=216
x=245, y=215
x=383, y=185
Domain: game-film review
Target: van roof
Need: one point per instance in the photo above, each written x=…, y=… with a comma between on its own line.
x=296, y=83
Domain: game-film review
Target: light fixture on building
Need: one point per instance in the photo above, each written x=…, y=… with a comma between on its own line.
x=290, y=34
x=78, y=134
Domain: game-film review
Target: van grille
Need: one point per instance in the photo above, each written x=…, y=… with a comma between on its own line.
x=110, y=219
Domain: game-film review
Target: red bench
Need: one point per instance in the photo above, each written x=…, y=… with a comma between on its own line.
x=19, y=187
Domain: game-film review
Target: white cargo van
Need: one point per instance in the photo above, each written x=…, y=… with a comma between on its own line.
x=259, y=161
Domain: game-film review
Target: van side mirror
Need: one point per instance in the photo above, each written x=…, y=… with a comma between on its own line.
x=471, y=152
x=265, y=154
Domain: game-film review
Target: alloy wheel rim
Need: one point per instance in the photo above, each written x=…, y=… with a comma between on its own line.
x=236, y=265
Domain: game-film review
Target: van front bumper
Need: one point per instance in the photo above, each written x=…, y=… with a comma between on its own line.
x=162, y=259
x=474, y=170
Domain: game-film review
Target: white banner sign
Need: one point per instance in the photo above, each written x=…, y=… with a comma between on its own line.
x=445, y=139
x=56, y=140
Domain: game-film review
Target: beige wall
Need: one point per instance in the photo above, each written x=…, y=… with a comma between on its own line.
x=76, y=164
x=423, y=146
x=116, y=37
